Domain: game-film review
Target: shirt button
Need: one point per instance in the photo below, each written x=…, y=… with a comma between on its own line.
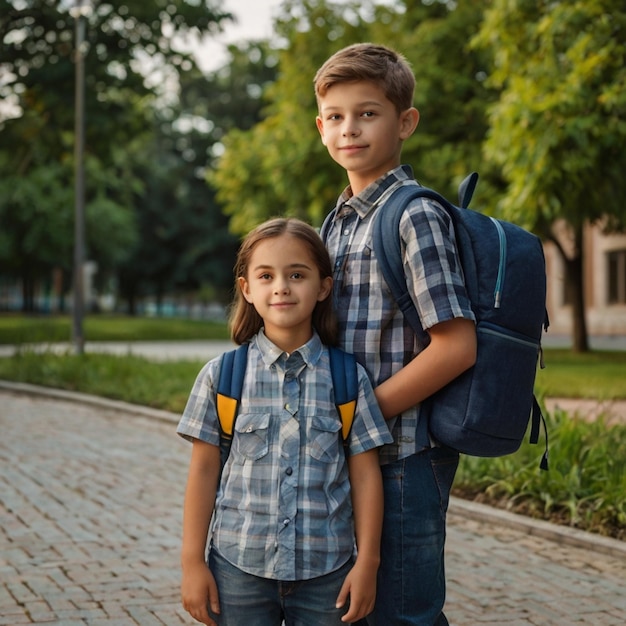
x=346, y=231
x=285, y=522
x=289, y=471
x=287, y=406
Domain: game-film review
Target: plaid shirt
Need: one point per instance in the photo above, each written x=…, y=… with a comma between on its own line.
x=371, y=325
x=283, y=509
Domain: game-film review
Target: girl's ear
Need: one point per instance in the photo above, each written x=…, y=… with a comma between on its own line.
x=245, y=290
x=326, y=286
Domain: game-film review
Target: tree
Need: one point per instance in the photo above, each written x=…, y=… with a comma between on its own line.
x=559, y=126
x=132, y=66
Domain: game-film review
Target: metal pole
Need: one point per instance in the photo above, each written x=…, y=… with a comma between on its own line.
x=79, y=198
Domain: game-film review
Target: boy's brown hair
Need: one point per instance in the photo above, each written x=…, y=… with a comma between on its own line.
x=369, y=62
x=244, y=320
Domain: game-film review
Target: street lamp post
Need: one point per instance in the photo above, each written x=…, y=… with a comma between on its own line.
x=79, y=12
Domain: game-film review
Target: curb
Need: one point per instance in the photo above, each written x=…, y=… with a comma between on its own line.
x=563, y=535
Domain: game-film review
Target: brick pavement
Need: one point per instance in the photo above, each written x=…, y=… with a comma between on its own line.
x=90, y=515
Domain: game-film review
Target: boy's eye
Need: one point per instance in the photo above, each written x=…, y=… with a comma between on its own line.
x=368, y=114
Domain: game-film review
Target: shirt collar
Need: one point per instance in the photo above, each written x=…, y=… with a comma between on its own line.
x=365, y=201
x=310, y=352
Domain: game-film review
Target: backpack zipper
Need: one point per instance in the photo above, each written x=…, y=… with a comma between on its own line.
x=497, y=294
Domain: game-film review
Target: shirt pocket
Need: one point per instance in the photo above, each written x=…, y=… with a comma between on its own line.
x=251, y=440
x=325, y=438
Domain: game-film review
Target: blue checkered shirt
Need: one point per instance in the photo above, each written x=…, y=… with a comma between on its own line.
x=283, y=509
x=371, y=325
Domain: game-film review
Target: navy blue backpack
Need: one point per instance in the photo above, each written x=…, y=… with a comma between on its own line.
x=485, y=411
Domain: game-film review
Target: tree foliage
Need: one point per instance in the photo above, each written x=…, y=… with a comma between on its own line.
x=281, y=167
x=133, y=65
x=558, y=128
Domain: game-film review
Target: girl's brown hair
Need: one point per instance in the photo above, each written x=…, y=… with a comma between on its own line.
x=369, y=62
x=244, y=321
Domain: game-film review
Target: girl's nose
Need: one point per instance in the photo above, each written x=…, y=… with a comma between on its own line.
x=281, y=286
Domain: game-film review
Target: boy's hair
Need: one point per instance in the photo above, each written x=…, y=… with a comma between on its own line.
x=369, y=62
x=244, y=320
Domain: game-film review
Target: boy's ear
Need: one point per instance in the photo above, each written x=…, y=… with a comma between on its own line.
x=409, y=120
x=320, y=126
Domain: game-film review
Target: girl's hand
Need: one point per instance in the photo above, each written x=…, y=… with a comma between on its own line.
x=360, y=587
x=198, y=592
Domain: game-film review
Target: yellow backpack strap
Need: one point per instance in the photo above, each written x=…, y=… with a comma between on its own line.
x=229, y=387
x=345, y=386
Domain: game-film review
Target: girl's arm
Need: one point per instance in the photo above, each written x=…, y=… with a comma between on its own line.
x=452, y=350
x=198, y=587
x=367, y=503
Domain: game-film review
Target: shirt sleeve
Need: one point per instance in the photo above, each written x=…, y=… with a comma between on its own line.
x=199, y=419
x=432, y=265
x=369, y=428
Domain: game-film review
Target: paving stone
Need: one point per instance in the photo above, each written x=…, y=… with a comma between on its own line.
x=90, y=523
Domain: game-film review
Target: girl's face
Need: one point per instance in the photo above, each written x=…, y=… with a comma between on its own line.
x=284, y=285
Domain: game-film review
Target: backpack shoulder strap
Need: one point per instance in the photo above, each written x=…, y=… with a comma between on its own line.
x=345, y=386
x=229, y=387
x=386, y=239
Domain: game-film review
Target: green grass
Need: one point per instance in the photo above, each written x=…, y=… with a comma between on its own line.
x=597, y=374
x=129, y=378
x=20, y=329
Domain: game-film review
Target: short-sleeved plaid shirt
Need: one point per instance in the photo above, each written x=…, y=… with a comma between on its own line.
x=371, y=325
x=283, y=509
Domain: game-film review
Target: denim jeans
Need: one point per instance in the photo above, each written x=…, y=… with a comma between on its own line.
x=411, y=578
x=252, y=601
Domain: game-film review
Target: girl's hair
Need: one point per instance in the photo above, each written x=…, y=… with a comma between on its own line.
x=370, y=62
x=244, y=320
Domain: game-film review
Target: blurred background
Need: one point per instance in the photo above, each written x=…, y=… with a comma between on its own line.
x=139, y=141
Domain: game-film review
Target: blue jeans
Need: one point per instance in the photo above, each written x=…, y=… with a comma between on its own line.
x=411, y=578
x=252, y=601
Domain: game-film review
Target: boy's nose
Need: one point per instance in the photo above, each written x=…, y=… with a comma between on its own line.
x=350, y=131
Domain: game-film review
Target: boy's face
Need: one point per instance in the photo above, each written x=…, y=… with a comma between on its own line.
x=363, y=131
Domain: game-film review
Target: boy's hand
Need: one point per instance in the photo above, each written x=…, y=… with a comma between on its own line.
x=360, y=586
x=198, y=592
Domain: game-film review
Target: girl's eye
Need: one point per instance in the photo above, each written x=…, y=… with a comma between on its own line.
x=265, y=276
x=296, y=275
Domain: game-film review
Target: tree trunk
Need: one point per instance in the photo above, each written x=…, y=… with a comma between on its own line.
x=575, y=282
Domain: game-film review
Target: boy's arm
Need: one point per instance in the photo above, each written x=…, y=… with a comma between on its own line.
x=367, y=504
x=451, y=351
x=198, y=587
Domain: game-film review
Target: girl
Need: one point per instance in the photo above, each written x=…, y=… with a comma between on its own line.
x=290, y=501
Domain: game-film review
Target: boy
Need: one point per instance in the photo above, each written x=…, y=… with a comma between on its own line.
x=365, y=102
